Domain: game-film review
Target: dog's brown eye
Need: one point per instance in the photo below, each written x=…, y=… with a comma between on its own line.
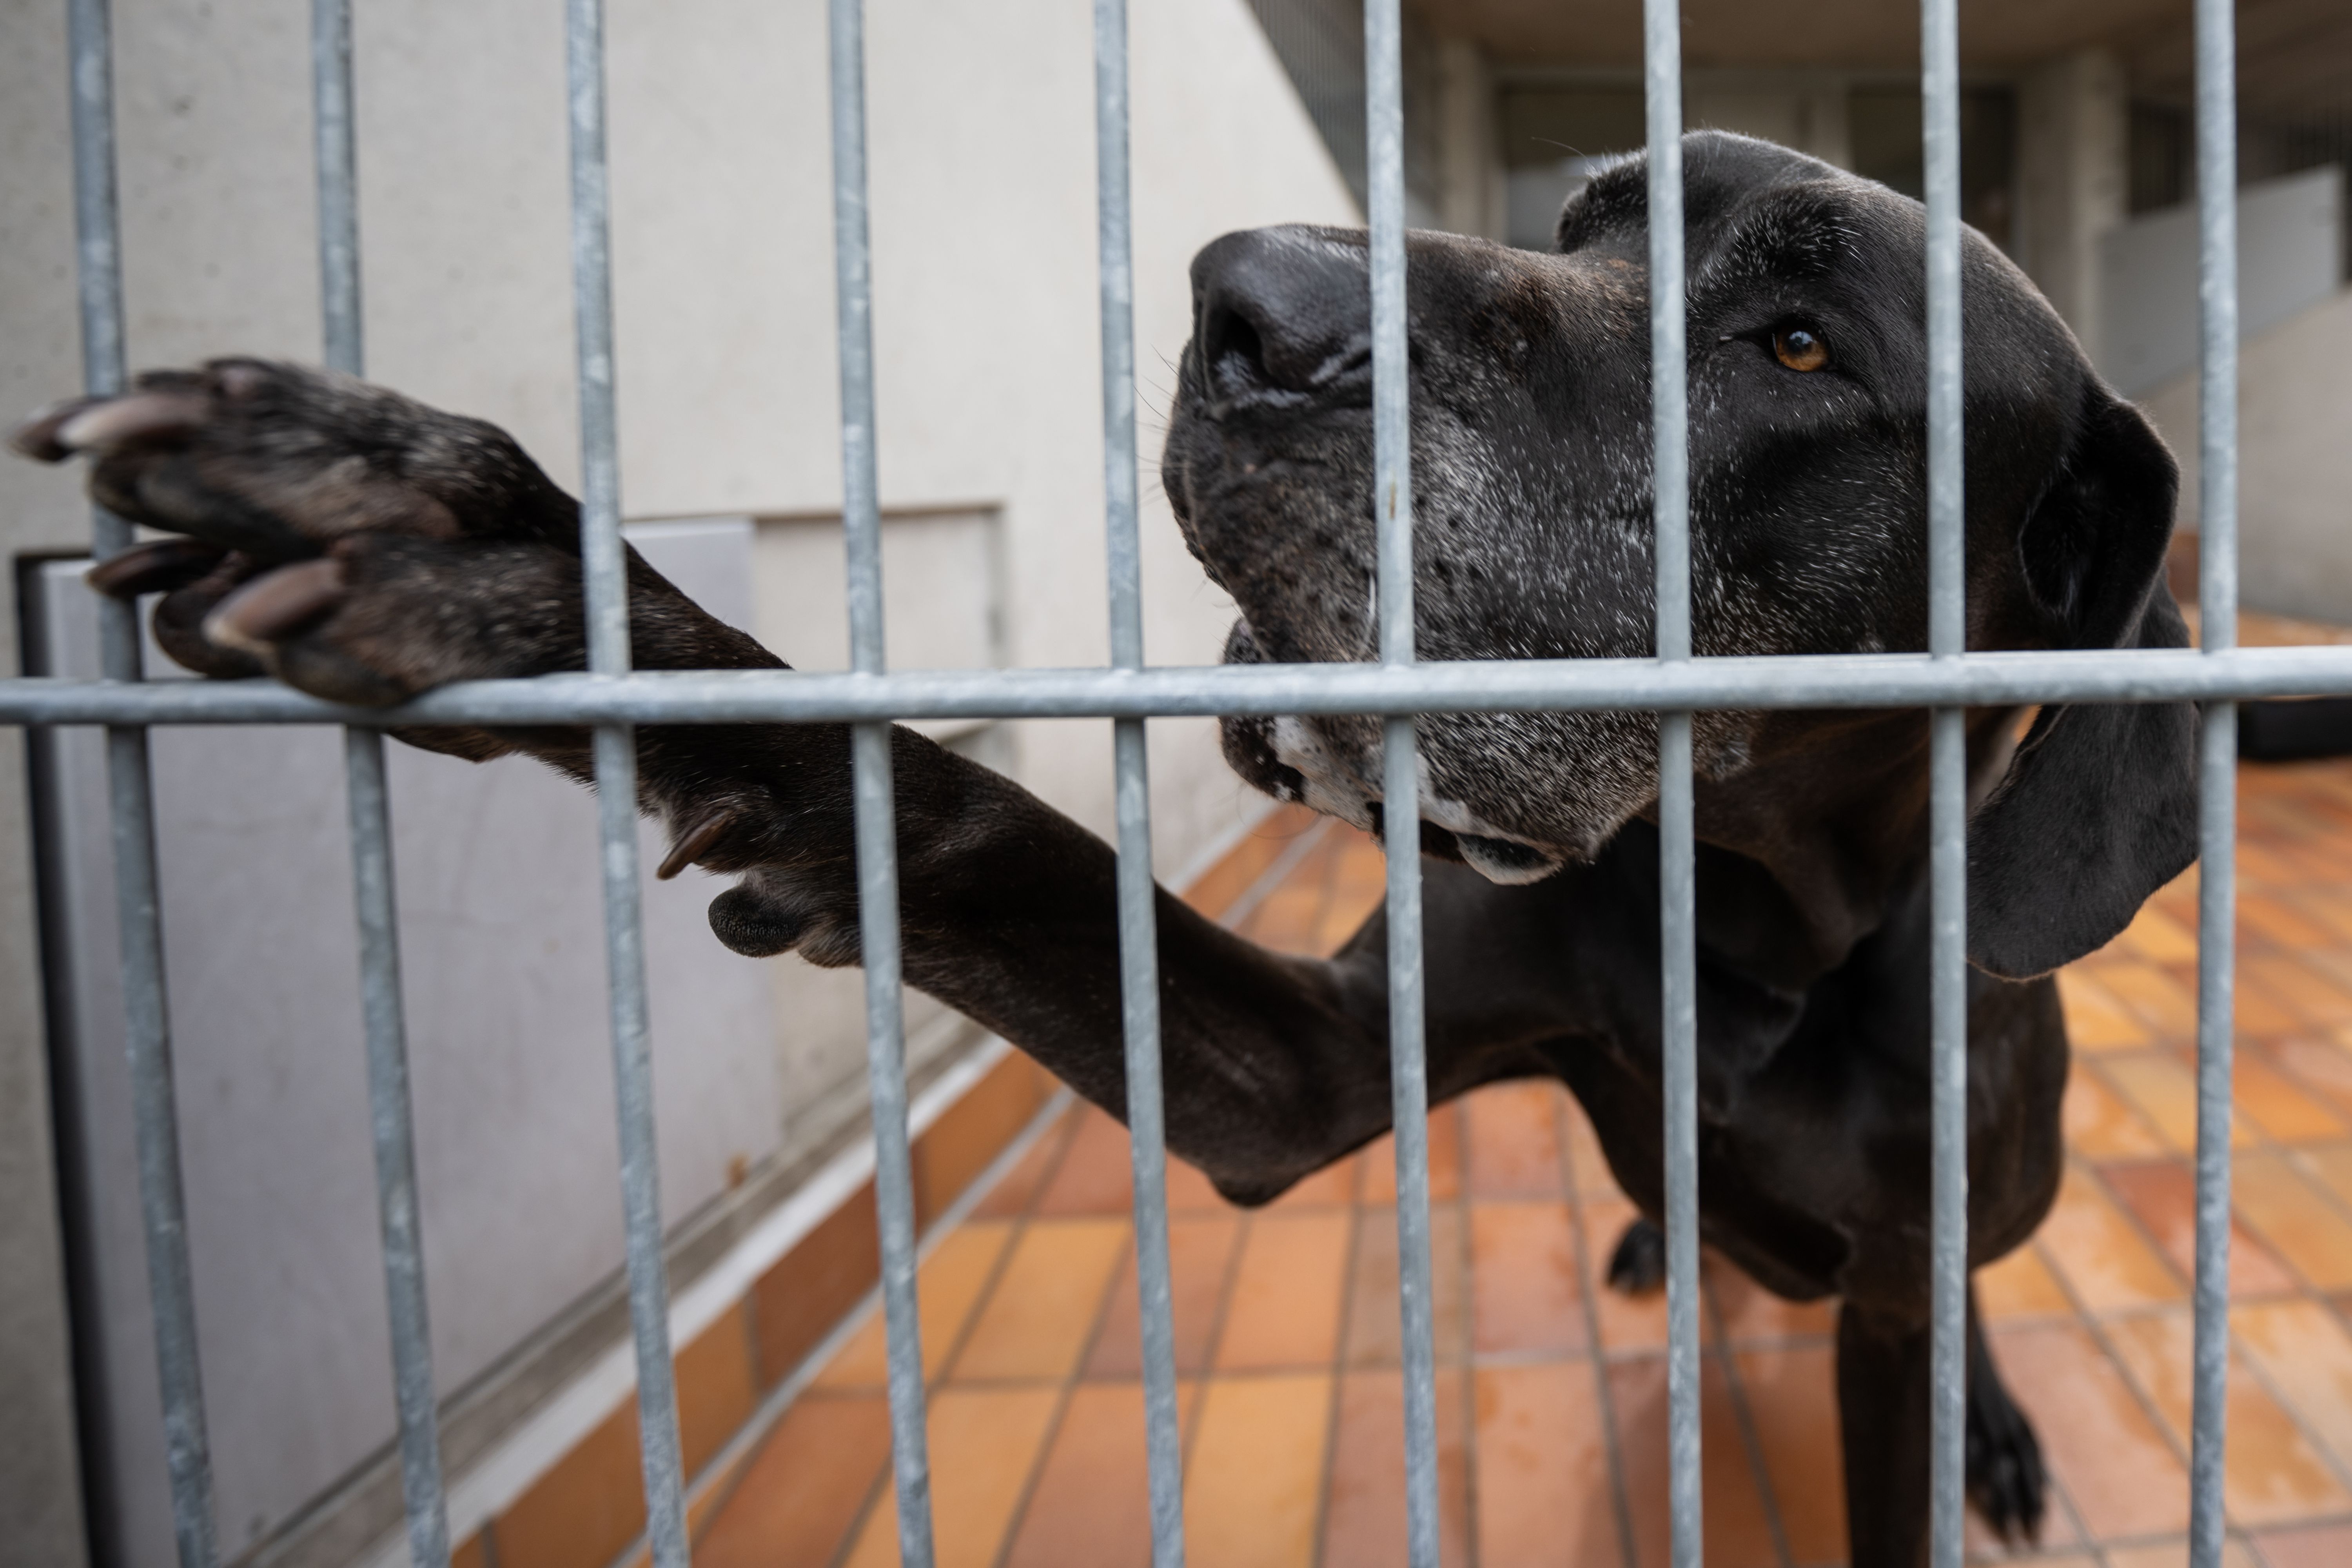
x=1799, y=348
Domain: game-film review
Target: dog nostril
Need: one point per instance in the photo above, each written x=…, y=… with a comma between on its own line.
x=1230, y=350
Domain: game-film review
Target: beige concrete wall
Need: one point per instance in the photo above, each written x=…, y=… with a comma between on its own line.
x=40, y=1505
x=1471, y=195
x=982, y=175
x=2295, y=462
x=2073, y=176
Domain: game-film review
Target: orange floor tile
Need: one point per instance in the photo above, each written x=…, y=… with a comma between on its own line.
x=1551, y=1388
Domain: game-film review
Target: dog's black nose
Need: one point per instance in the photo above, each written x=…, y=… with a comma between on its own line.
x=1281, y=310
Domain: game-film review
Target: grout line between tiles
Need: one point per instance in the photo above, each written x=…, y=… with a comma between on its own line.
x=1750, y=1442
x=2092, y=1062
x=877, y=1491
x=2139, y=1227
x=1337, y=1366
x=1467, y=1294
x=1055, y=1115
x=962, y=1339
x=1237, y=913
x=1213, y=1346
x=1068, y=1388
x=1620, y=1499
x=2326, y=1195
x=724, y=1471
x=2253, y=1367
x=2092, y=1326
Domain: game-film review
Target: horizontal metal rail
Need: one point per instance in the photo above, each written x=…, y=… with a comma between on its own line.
x=732, y=696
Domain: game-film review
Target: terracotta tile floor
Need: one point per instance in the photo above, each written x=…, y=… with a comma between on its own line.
x=1552, y=1389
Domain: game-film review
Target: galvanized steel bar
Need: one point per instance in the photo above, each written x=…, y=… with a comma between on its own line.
x=147, y=1022
x=2217, y=290
x=605, y=572
x=1679, y=1042
x=98, y=236
x=390, y=1114
x=389, y=1122
x=1137, y=932
x=335, y=136
x=1948, y=1368
x=163, y=1208
x=2216, y=960
x=1599, y=685
x=1400, y=764
x=1677, y=853
x=878, y=841
x=603, y=557
x=1939, y=88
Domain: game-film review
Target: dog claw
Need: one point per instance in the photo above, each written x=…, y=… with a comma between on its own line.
x=694, y=845
x=152, y=568
x=123, y=421
x=36, y=436
x=95, y=424
x=269, y=608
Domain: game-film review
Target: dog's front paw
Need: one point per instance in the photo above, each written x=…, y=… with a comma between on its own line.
x=771, y=913
x=380, y=618
x=350, y=540
x=278, y=461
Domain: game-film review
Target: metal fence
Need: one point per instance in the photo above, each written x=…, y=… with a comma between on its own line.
x=1945, y=680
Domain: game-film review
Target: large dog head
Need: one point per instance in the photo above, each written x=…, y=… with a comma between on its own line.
x=1532, y=499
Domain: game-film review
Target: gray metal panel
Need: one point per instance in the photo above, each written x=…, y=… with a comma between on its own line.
x=503, y=972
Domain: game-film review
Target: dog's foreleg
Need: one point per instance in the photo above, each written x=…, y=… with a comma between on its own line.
x=1882, y=1382
x=1882, y=1372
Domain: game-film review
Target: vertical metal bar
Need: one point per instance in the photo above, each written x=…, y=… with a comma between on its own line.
x=1947, y=793
x=395, y=1150
x=878, y=840
x=604, y=567
x=1677, y=854
x=1400, y=764
x=2217, y=290
x=338, y=172
x=147, y=1030
x=1137, y=929
x=389, y=1106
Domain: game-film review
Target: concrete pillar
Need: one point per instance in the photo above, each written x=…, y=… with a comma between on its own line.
x=1822, y=123
x=1469, y=167
x=2073, y=179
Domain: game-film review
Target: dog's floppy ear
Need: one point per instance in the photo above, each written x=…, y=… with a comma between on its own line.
x=2099, y=806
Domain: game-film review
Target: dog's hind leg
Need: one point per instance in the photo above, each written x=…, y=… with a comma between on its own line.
x=1638, y=1266
x=2006, y=1480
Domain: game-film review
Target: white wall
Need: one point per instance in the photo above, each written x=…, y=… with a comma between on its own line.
x=2290, y=257
x=2295, y=461
x=982, y=178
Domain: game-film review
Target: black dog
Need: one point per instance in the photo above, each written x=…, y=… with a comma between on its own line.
x=365, y=548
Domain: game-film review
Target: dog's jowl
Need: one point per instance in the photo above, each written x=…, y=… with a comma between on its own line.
x=365, y=548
